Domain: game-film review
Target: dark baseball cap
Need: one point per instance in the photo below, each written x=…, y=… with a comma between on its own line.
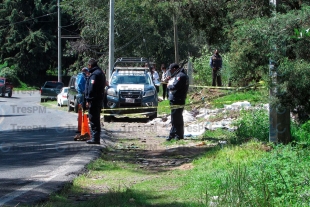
x=173, y=65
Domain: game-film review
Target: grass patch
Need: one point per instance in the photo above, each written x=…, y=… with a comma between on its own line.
x=219, y=134
x=231, y=176
x=164, y=107
x=252, y=96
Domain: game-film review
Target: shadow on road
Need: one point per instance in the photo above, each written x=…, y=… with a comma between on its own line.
x=40, y=160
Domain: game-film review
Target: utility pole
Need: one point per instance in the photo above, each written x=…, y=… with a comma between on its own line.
x=279, y=116
x=176, y=47
x=190, y=71
x=59, y=43
x=111, y=42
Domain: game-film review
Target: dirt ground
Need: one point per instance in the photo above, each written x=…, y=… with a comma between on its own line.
x=145, y=144
x=136, y=141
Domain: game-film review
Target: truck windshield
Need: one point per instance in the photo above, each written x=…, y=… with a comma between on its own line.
x=138, y=78
x=53, y=85
x=1, y=81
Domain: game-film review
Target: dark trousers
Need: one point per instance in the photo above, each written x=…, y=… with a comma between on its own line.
x=157, y=89
x=94, y=120
x=165, y=91
x=216, y=77
x=177, y=122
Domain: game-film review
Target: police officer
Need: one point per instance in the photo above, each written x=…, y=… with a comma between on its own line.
x=94, y=96
x=178, y=86
x=216, y=65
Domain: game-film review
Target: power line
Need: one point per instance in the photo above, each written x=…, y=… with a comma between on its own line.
x=71, y=24
x=28, y=20
x=128, y=43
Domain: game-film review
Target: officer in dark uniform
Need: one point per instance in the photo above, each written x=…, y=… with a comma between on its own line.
x=178, y=86
x=216, y=65
x=94, y=96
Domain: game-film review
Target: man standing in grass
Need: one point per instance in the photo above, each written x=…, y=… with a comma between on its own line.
x=216, y=65
x=178, y=86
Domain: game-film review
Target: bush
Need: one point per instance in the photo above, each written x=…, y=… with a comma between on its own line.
x=9, y=72
x=252, y=124
x=301, y=134
x=279, y=178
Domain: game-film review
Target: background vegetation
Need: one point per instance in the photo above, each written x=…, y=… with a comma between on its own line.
x=248, y=34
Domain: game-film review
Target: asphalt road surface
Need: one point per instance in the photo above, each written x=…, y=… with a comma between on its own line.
x=37, y=152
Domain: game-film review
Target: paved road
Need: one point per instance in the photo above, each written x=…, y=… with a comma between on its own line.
x=37, y=151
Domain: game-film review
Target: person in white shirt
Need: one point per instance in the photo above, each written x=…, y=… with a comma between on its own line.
x=164, y=81
x=155, y=77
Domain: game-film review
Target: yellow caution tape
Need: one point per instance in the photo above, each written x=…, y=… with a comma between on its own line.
x=203, y=100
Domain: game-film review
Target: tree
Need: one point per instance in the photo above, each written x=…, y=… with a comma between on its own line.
x=142, y=28
x=28, y=30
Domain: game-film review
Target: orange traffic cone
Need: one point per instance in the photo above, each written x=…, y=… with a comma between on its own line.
x=79, y=119
x=85, y=131
x=88, y=128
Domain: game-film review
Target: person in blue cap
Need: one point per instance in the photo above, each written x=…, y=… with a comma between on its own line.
x=80, y=87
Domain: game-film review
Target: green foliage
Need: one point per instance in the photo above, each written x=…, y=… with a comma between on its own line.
x=253, y=96
x=142, y=28
x=9, y=72
x=28, y=37
x=278, y=178
x=219, y=134
x=252, y=123
x=301, y=133
x=216, y=18
x=293, y=87
x=249, y=52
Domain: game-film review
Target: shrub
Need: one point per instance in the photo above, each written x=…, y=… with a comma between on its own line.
x=252, y=124
x=301, y=133
x=9, y=72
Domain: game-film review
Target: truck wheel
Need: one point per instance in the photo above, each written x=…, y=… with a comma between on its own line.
x=42, y=100
x=154, y=116
x=107, y=118
x=3, y=93
x=76, y=106
x=10, y=94
x=69, y=107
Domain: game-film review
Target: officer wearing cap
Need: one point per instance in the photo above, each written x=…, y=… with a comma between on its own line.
x=94, y=96
x=178, y=86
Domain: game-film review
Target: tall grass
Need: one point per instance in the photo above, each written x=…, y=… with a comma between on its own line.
x=247, y=175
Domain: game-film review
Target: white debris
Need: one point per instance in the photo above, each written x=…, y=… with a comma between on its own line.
x=194, y=129
x=188, y=117
x=243, y=104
